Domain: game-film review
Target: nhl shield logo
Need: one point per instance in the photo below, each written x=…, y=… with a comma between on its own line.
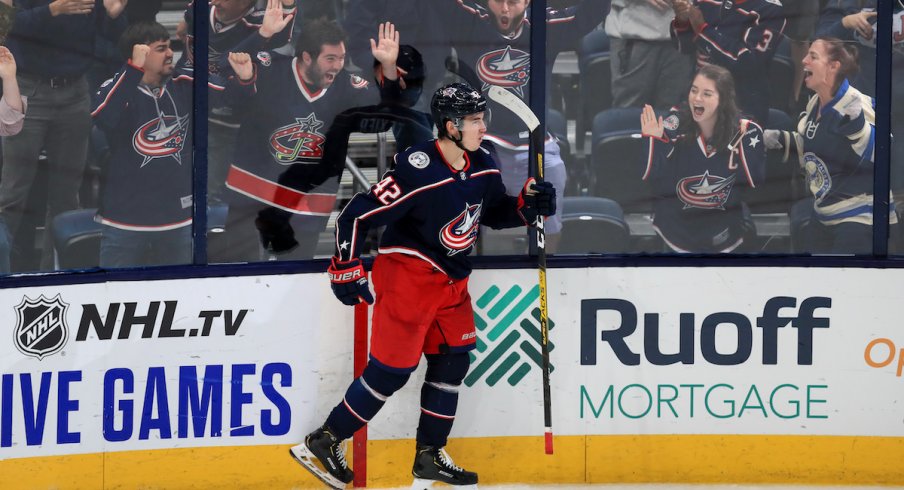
x=41, y=328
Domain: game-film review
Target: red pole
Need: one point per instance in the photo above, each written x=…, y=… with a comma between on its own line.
x=359, y=440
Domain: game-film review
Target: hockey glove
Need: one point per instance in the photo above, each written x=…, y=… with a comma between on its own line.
x=349, y=282
x=276, y=232
x=536, y=199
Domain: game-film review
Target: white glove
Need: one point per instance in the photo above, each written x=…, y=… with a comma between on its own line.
x=773, y=139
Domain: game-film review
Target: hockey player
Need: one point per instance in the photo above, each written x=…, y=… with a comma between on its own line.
x=289, y=105
x=432, y=204
x=145, y=112
x=701, y=156
x=494, y=43
x=739, y=35
x=834, y=143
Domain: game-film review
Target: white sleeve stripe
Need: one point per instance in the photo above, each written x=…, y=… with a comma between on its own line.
x=746, y=167
x=646, y=172
x=372, y=391
x=109, y=94
x=444, y=386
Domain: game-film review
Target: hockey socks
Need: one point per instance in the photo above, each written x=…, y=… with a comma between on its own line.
x=364, y=398
x=439, y=397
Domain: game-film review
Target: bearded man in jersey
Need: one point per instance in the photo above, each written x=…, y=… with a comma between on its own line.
x=432, y=204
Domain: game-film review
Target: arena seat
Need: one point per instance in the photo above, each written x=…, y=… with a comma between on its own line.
x=76, y=239
x=618, y=159
x=781, y=77
x=595, y=81
x=76, y=235
x=592, y=225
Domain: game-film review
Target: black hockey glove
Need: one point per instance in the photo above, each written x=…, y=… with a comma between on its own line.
x=276, y=232
x=536, y=198
x=349, y=282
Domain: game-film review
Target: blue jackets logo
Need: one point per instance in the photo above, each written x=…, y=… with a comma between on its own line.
x=41, y=328
x=508, y=68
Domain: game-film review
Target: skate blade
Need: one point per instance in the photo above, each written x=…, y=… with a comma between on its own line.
x=305, y=458
x=422, y=484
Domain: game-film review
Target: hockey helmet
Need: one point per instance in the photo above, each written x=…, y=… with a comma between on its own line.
x=412, y=62
x=454, y=101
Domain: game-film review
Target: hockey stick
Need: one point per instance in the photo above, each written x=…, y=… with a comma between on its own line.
x=513, y=103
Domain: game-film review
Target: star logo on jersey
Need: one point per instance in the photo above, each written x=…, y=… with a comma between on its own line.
x=460, y=234
x=755, y=140
x=704, y=191
x=507, y=68
x=160, y=138
x=300, y=142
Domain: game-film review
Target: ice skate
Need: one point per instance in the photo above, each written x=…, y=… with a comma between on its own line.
x=322, y=454
x=433, y=464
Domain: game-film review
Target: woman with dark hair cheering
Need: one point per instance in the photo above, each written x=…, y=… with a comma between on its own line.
x=834, y=145
x=699, y=157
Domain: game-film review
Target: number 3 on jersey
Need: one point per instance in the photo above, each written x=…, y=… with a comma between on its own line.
x=387, y=190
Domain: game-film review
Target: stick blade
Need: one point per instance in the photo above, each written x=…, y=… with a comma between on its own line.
x=511, y=102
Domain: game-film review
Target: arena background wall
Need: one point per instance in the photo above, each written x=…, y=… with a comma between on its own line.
x=767, y=375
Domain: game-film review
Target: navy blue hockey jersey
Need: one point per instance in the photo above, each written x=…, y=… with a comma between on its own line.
x=697, y=203
x=742, y=36
x=505, y=61
x=835, y=148
x=147, y=182
x=238, y=36
x=430, y=210
x=284, y=125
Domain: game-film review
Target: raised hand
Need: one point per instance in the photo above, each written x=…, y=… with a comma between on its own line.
x=386, y=48
x=241, y=65
x=274, y=19
x=860, y=22
x=140, y=54
x=682, y=10
x=7, y=64
x=115, y=7
x=650, y=125
x=695, y=16
x=71, y=7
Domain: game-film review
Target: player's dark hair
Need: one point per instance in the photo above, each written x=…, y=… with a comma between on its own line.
x=141, y=33
x=845, y=54
x=727, y=111
x=316, y=33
